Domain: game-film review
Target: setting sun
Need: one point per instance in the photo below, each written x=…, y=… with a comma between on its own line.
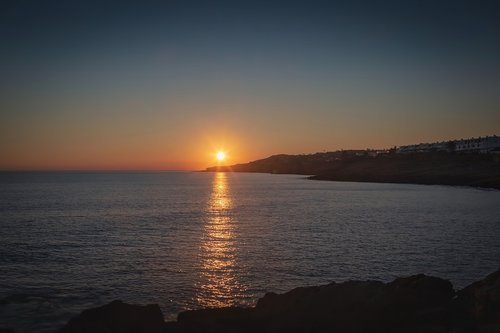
x=221, y=155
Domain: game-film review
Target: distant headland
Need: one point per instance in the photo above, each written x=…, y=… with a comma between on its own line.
x=464, y=162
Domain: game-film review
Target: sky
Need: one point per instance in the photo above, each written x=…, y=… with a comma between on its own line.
x=163, y=85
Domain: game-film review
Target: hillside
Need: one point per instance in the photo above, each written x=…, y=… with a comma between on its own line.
x=481, y=170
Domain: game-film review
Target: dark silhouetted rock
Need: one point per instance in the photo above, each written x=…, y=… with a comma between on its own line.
x=118, y=317
x=231, y=319
x=417, y=303
x=478, y=305
x=6, y=330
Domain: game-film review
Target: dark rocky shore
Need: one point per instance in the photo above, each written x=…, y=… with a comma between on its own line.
x=417, y=303
x=430, y=168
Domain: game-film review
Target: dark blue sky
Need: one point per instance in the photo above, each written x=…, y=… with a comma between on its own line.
x=269, y=76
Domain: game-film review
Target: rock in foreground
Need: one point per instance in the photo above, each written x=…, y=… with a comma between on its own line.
x=413, y=304
x=118, y=317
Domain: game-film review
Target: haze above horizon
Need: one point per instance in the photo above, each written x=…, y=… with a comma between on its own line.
x=157, y=85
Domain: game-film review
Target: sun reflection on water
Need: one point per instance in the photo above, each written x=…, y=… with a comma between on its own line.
x=219, y=285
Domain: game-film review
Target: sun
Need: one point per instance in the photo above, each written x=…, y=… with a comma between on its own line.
x=221, y=156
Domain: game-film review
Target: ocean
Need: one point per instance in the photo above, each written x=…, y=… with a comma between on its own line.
x=188, y=240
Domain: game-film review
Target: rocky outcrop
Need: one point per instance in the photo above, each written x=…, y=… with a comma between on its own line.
x=417, y=303
x=118, y=317
x=6, y=330
x=478, y=305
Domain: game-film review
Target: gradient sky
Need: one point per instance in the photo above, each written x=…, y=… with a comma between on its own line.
x=164, y=84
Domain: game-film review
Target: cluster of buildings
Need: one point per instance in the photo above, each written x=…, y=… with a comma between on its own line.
x=485, y=145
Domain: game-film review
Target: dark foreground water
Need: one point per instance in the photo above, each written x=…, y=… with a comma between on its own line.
x=69, y=241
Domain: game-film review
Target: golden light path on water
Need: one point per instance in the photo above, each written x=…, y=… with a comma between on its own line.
x=219, y=285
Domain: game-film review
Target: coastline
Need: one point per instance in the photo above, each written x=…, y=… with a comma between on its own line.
x=417, y=303
x=437, y=168
x=483, y=186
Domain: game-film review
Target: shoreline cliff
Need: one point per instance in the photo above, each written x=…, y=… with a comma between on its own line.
x=430, y=168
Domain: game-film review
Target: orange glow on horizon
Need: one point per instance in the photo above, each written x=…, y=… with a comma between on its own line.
x=160, y=150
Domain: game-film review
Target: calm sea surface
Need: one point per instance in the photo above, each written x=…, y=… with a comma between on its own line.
x=70, y=241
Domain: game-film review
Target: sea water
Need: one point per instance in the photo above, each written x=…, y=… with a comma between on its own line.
x=188, y=240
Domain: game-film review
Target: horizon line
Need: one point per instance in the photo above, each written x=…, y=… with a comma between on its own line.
x=99, y=170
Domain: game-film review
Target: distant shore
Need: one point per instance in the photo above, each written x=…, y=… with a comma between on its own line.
x=431, y=168
x=417, y=303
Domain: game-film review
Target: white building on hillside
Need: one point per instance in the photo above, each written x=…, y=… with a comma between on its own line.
x=487, y=144
x=482, y=144
x=424, y=147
